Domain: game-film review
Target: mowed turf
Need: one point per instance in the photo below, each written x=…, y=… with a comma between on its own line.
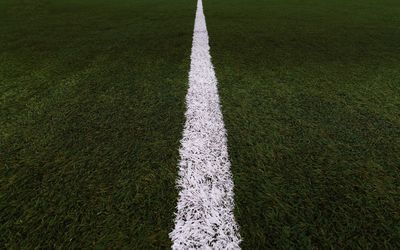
x=311, y=100
x=91, y=113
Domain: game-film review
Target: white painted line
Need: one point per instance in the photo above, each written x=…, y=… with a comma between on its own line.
x=204, y=218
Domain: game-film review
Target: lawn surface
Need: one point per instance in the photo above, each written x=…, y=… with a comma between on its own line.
x=91, y=114
x=92, y=109
x=311, y=101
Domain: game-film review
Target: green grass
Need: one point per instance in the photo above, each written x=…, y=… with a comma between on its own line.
x=92, y=110
x=311, y=101
x=91, y=114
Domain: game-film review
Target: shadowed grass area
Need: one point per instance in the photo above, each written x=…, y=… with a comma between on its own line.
x=91, y=113
x=311, y=98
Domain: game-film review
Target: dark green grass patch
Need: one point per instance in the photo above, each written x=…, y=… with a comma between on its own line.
x=311, y=100
x=91, y=113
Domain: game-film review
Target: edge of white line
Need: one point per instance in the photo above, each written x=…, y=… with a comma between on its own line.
x=204, y=217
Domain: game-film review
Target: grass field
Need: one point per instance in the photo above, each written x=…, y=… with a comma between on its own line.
x=311, y=101
x=92, y=103
x=92, y=106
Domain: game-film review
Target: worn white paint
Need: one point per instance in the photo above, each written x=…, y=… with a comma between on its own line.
x=204, y=218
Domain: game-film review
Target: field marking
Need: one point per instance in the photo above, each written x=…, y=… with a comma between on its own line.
x=204, y=218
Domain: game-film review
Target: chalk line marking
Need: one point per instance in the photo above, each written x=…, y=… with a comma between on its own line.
x=204, y=217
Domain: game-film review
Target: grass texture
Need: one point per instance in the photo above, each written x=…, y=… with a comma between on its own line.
x=92, y=110
x=311, y=98
x=91, y=114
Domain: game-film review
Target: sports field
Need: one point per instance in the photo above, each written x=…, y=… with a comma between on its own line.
x=112, y=132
